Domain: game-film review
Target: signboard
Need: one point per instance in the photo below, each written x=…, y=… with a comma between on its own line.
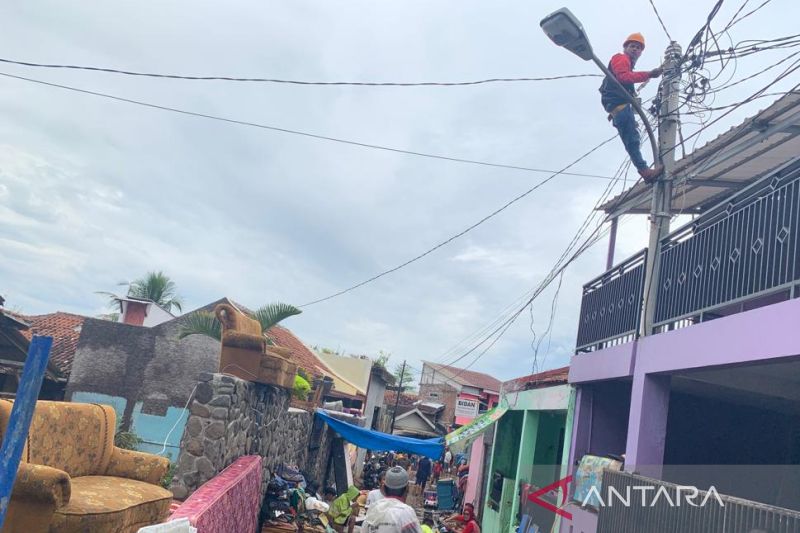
x=466, y=408
x=469, y=432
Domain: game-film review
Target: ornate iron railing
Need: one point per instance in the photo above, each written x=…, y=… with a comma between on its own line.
x=643, y=512
x=742, y=250
x=612, y=305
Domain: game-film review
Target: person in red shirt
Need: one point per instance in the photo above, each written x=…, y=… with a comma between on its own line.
x=616, y=102
x=464, y=522
x=437, y=471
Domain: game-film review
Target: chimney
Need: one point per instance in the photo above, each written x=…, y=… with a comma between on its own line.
x=133, y=312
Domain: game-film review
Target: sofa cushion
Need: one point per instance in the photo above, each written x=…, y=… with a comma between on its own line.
x=104, y=503
x=77, y=438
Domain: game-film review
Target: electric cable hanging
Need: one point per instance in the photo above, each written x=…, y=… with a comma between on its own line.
x=461, y=233
x=297, y=132
x=108, y=70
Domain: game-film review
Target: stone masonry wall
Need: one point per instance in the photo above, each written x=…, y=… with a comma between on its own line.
x=229, y=418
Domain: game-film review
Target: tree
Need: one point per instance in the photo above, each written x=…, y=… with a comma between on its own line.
x=406, y=383
x=154, y=286
x=205, y=323
x=382, y=358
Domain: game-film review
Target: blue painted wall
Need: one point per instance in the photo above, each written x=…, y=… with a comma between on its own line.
x=152, y=429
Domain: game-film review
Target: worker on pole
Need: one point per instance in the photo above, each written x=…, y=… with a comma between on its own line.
x=617, y=105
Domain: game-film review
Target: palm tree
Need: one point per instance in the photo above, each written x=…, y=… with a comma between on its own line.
x=155, y=286
x=158, y=287
x=205, y=323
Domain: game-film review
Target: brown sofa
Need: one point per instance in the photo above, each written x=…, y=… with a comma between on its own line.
x=72, y=479
x=246, y=354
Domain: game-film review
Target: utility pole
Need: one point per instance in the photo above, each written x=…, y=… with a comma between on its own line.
x=660, y=208
x=397, y=400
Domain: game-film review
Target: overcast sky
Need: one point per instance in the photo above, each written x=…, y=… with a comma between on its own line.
x=94, y=192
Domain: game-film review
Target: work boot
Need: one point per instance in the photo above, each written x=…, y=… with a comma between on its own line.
x=649, y=175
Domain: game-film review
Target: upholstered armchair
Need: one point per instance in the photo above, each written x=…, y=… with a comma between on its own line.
x=245, y=353
x=72, y=479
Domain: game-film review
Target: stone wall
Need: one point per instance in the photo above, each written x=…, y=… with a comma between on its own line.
x=230, y=417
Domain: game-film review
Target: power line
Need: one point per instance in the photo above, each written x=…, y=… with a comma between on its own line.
x=663, y=26
x=296, y=132
x=461, y=233
x=108, y=70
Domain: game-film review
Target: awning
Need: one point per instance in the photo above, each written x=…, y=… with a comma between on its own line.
x=383, y=442
x=463, y=435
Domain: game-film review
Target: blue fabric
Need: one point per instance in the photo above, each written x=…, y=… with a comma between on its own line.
x=383, y=442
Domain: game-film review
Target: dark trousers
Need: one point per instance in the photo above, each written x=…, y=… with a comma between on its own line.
x=628, y=131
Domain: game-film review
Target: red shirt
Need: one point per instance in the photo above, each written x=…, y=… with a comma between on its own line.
x=622, y=68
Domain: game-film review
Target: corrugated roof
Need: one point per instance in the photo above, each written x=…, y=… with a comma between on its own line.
x=469, y=378
x=558, y=376
x=755, y=149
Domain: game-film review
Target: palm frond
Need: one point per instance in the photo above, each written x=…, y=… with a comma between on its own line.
x=201, y=323
x=270, y=314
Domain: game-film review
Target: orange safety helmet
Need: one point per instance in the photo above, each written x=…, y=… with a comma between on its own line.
x=635, y=37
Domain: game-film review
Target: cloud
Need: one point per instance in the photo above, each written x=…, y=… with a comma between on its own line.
x=93, y=192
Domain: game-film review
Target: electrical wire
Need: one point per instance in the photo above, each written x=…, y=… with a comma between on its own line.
x=663, y=26
x=108, y=70
x=294, y=132
x=461, y=233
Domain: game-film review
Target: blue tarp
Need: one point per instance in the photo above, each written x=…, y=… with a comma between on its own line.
x=383, y=442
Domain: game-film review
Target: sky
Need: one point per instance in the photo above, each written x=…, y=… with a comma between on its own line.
x=96, y=192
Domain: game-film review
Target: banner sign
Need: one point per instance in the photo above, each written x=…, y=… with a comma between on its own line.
x=476, y=427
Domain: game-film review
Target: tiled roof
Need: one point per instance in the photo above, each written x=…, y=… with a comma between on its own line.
x=303, y=357
x=470, y=378
x=557, y=376
x=390, y=397
x=65, y=328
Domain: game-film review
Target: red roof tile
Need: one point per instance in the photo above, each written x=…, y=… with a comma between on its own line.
x=65, y=328
x=303, y=357
x=390, y=397
x=557, y=376
x=470, y=378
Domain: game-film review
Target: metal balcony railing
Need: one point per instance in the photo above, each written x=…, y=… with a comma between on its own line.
x=643, y=512
x=742, y=250
x=612, y=305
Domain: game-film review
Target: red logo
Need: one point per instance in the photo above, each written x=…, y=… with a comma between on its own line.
x=560, y=484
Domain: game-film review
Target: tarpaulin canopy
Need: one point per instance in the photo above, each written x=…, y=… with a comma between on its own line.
x=377, y=441
x=463, y=435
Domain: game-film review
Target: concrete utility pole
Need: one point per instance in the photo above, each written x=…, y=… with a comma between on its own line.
x=660, y=209
x=397, y=400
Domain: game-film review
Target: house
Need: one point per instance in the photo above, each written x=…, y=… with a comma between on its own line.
x=149, y=375
x=464, y=393
x=530, y=451
x=420, y=420
x=16, y=331
x=714, y=377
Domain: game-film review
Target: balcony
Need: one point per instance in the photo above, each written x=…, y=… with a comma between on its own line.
x=741, y=254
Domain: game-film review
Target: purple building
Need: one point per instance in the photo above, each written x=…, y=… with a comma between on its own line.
x=709, y=394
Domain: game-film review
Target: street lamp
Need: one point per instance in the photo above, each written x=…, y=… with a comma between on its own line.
x=565, y=30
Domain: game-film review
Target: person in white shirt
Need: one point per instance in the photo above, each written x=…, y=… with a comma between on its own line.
x=375, y=494
x=448, y=460
x=391, y=514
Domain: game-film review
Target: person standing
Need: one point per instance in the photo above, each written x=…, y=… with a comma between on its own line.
x=448, y=460
x=392, y=514
x=616, y=101
x=423, y=473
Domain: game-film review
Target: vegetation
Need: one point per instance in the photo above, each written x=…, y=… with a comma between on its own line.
x=205, y=323
x=154, y=286
x=166, y=481
x=127, y=440
x=301, y=388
